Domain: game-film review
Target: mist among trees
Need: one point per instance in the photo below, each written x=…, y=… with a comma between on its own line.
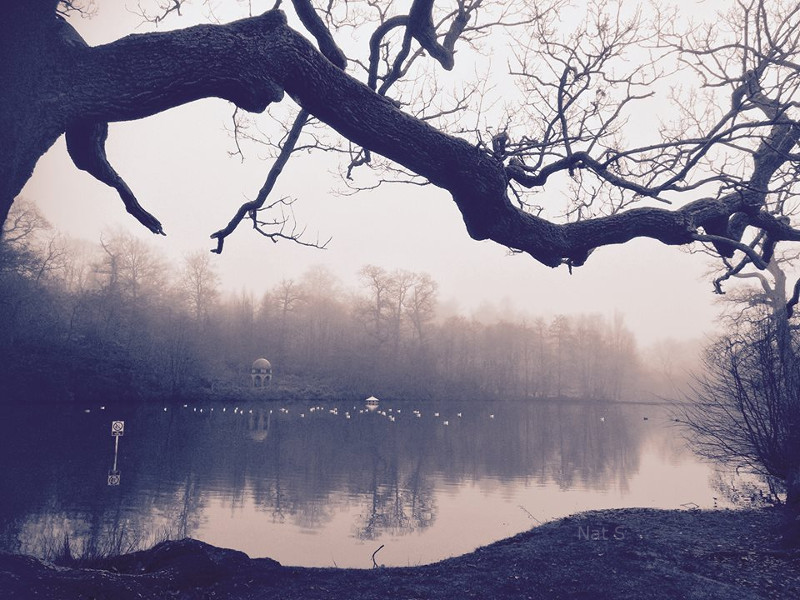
x=113, y=319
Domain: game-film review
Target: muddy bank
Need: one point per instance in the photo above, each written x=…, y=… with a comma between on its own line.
x=631, y=553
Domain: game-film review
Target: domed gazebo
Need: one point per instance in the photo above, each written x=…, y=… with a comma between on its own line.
x=261, y=373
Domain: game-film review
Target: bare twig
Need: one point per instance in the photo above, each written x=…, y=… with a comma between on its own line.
x=374, y=564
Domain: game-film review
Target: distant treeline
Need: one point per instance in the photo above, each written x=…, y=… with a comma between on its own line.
x=88, y=321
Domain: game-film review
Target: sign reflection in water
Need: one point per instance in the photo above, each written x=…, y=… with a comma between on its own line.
x=325, y=485
x=117, y=430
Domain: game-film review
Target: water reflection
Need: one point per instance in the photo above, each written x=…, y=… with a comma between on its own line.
x=264, y=477
x=117, y=431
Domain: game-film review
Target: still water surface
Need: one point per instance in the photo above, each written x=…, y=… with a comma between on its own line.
x=327, y=484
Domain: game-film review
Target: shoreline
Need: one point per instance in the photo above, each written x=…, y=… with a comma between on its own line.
x=295, y=395
x=616, y=553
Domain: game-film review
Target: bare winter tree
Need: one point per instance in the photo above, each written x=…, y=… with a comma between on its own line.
x=199, y=282
x=718, y=166
x=748, y=404
x=749, y=409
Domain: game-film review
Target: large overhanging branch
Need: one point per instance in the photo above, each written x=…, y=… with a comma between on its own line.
x=252, y=63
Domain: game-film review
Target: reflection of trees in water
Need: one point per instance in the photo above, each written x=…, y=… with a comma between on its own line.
x=105, y=529
x=183, y=517
x=598, y=447
x=268, y=489
x=744, y=489
x=585, y=445
x=399, y=502
x=304, y=462
x=303, y=469
x=72, y=505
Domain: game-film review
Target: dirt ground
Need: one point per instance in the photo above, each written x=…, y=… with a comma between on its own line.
x=631, y=553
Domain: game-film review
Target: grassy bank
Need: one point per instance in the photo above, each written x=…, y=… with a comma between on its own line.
x=630, y=553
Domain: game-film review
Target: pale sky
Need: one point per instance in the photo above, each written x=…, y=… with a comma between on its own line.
x=177, y=164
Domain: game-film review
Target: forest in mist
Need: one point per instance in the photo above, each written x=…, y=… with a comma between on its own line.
x=113, y=319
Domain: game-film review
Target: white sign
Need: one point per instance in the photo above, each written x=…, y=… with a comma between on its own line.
x=113, y=477
x=117, y=427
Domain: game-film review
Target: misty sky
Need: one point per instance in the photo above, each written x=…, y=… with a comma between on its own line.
x=178, y=165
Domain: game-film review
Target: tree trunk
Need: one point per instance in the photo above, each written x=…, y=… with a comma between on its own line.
x=793, y=491
x=791, y=532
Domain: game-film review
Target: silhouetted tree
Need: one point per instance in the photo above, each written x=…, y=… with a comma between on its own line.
x=747, y=410
x=734, y=145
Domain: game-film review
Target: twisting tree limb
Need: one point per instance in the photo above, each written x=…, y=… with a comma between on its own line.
x=312, y=21
x=583, y=160
x=420, y=26
x=757, y=260
x=86, y=146
x=375, y=45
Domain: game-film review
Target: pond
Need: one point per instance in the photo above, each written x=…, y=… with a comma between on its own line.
x=328, y=484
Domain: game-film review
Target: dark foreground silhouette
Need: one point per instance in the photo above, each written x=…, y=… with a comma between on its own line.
x=630, y=553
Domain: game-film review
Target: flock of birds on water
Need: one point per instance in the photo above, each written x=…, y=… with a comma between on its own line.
x=391, y=414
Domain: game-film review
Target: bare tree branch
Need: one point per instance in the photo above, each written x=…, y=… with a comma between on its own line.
x=251, y=208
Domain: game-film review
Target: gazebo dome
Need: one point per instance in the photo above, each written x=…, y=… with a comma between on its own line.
x=262, y=364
